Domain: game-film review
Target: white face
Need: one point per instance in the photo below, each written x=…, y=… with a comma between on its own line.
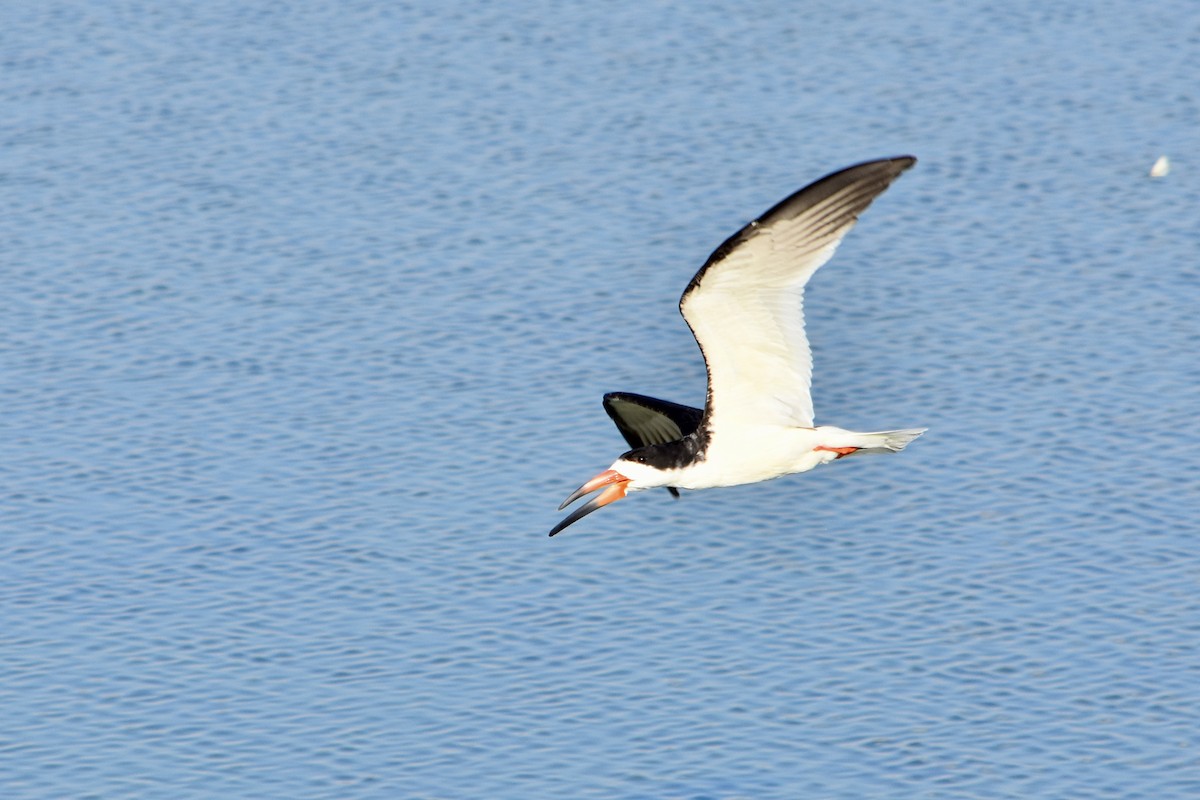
x=642, y=476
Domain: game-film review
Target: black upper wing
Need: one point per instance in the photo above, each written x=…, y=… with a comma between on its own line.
x=644, y=421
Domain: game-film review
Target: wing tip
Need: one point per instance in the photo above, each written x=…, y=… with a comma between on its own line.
x=902, y=163
x=879, y=173
x=898, y=163
x=884, y=170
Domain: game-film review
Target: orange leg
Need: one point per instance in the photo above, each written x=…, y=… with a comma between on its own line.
x=842, y=452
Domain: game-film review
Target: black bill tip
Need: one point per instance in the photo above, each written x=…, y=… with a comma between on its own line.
x=610, y=495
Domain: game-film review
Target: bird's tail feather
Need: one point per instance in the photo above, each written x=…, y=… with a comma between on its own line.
x=885, y=441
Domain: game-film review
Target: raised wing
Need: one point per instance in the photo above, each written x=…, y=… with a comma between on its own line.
x=745, y=305
x=644, y=421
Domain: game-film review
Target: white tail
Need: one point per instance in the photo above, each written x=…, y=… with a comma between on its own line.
x=886, y=441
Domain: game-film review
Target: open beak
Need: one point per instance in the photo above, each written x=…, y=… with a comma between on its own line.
x=616, y=483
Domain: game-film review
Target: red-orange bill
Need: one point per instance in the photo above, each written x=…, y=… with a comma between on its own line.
x=616, y=483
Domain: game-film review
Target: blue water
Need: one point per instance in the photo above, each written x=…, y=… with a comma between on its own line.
x=305, y=315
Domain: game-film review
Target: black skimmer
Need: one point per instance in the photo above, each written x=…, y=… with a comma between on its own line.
x=744, y=307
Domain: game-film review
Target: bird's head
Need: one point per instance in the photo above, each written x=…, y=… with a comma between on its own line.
x=631, y=472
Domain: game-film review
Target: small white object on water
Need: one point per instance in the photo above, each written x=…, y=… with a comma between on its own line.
x=1160, y=168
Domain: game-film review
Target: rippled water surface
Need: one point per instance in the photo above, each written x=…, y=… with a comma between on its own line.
x=306, y=313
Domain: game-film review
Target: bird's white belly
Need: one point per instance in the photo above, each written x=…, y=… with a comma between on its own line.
x=752, y=454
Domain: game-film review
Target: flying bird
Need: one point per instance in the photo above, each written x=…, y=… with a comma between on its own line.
x=744, y=307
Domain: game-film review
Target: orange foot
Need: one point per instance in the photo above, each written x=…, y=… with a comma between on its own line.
x=842, y=452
